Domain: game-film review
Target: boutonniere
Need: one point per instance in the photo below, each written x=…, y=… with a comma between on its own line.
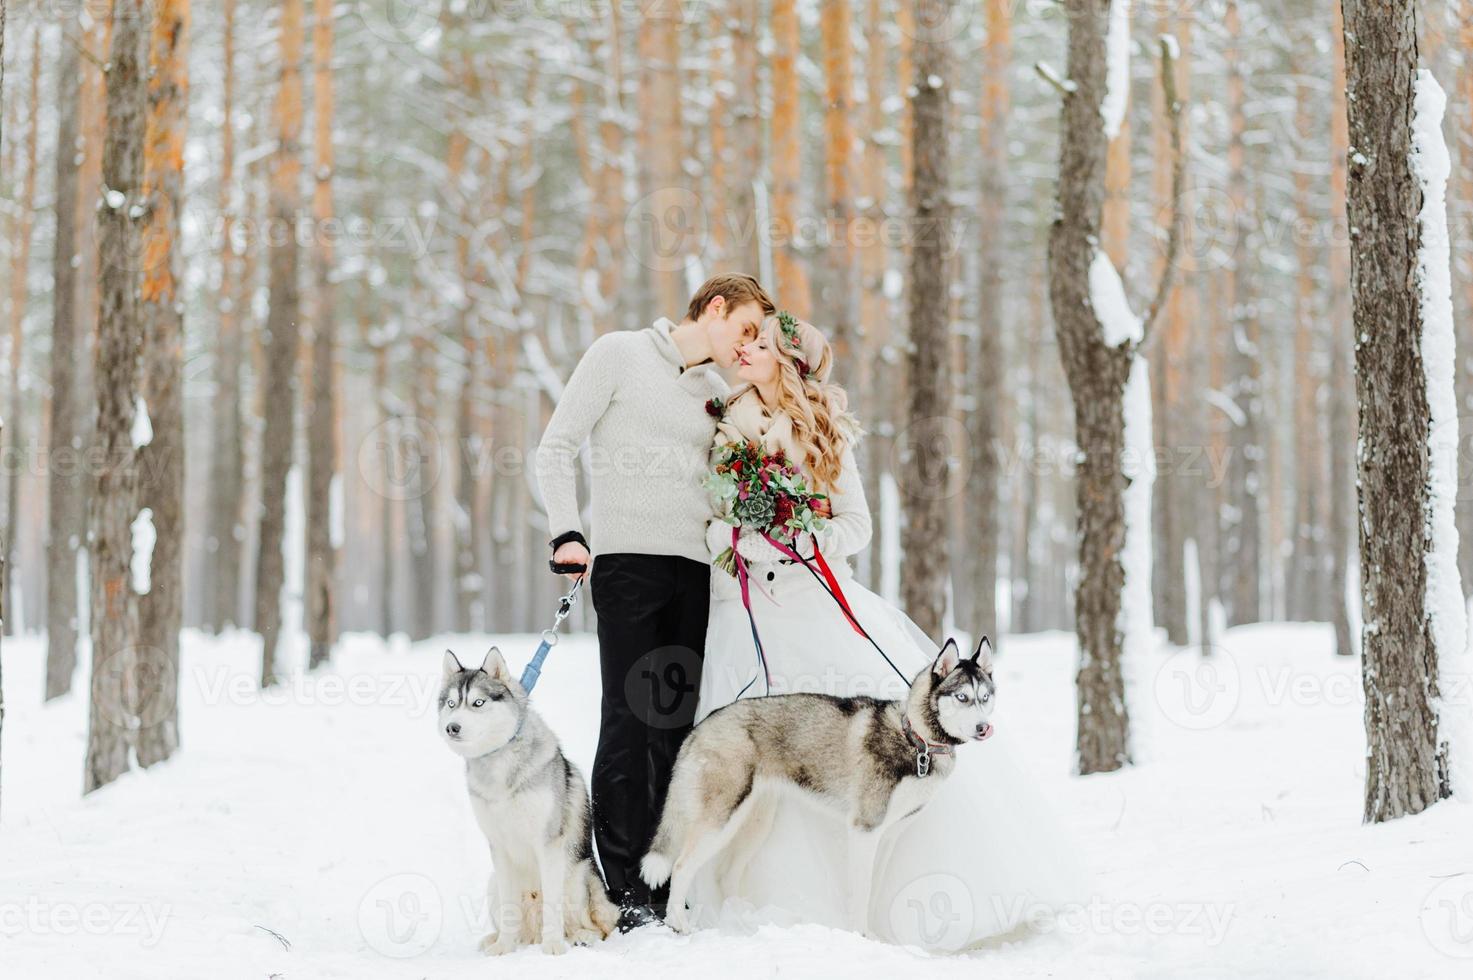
x=715, y=407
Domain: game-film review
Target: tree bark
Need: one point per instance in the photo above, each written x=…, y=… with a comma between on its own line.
x=161, y=461
x=322, y=439
x=744, y=237
x=66, y=514
x=120, y=338
x=1097, y=373
x=1406, y=762
x=926, y=481
x=283, y=331
x=20, y=243
x=224, y=532
x=667, y=204
x=787, y=160
x=838, y=129
x=1243, y=554
x=1343, y=420
x=988, y=383
x=1175, y=494
x=6, y=531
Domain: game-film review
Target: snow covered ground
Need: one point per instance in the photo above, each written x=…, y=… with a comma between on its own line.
x=322, y=830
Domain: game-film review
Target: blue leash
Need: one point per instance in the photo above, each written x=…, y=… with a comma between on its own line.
x=549, y=638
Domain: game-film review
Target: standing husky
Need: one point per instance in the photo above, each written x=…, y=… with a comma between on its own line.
x=532, y=806
x=876, y=762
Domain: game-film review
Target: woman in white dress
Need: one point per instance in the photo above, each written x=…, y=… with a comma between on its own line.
x=984, y=858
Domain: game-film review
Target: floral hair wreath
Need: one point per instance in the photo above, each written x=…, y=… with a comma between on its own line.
x=788, y=324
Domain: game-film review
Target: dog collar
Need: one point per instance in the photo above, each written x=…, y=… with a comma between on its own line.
x=924, y=748
x=520, y=722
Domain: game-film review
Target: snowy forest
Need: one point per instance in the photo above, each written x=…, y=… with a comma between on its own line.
x=1156, y=314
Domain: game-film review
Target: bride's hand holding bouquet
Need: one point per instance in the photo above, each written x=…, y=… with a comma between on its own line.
x=764, y=493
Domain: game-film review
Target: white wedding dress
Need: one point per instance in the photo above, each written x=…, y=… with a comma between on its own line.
x=984, y=858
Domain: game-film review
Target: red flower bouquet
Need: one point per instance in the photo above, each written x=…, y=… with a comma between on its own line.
x=763, y=492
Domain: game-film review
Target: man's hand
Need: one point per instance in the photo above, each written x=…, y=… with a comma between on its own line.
x=573, y=553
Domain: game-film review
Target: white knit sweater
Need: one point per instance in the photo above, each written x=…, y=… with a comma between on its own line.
x=643, y=414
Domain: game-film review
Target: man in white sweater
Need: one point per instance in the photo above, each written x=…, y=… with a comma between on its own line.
x=639, y=398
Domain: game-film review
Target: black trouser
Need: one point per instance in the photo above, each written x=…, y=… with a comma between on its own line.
x=652, y=612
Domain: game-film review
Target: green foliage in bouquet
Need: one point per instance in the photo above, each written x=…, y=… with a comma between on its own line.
x=763, y=492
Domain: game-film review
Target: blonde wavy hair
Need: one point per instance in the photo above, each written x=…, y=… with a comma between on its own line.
x=819, y=409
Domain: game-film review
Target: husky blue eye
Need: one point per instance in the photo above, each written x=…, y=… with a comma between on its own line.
x=449, y=704
x=986, y=698
x=478, y=702
x=962, y=697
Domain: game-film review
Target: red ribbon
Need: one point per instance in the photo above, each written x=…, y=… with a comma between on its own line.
x=828, y=576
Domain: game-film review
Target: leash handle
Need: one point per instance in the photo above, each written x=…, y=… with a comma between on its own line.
x=533, y=670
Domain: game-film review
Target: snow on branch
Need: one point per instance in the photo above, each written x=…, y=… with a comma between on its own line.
x=1063, y=85
x=1117, y=68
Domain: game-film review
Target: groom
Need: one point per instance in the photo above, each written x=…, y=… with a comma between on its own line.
x=638, y=398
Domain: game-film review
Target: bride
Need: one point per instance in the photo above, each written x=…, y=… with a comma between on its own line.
x=984, y=857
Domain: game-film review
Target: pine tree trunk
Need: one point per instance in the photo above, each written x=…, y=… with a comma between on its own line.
x=120, y=338
x=988, y=385
x=873, y=401
x=1343, y=420
x=282, y=329
x=838, y=128
x=322, y=439
x=161, y=461
x=20, y=243
x=223, y=530
x=1406, y=764
x=925, y=481
x=421, y=510
x=744, y=237
x=66, y=514
x=1243, y=553
x=787, y=160
x=1305, y=600
x=6, y=531
x=668, y=206
x=1097, y=373
x=1175, y=494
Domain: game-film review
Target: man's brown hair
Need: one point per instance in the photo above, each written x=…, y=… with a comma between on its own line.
x=734, y=287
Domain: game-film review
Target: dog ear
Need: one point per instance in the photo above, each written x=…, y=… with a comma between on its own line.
x=451, y=664
x=495, y=665
x=947, y=659
x=983, y=655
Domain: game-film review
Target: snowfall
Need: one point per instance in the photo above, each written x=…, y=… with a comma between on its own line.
x=321, y=829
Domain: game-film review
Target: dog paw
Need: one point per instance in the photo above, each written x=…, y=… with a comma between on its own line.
x=678, y=921
x=554, y=947
x=587, y=937
x=492, y=945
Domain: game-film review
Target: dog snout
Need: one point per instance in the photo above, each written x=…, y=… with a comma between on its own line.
x=453, y=729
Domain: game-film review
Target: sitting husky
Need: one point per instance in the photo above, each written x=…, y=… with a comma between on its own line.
x=876, y=762
x=533, y=808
